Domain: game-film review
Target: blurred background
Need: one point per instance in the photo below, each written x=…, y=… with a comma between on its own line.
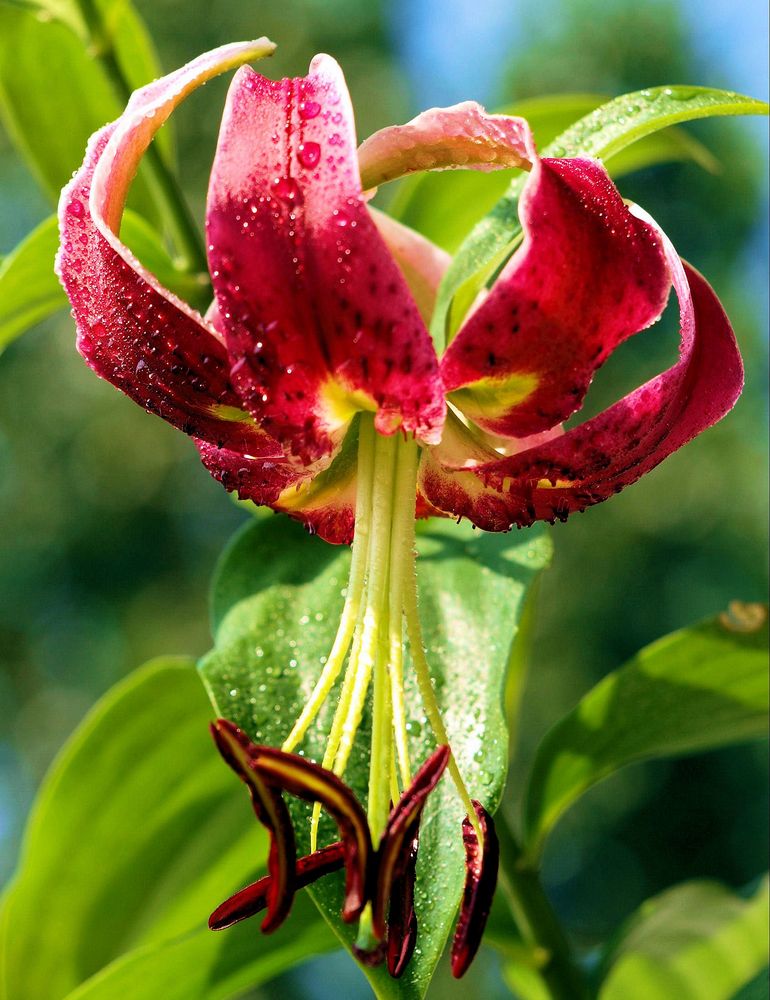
x=110, y=527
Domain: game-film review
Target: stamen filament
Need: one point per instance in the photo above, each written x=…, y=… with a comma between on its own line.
x=395, y=791
x=350, y=611
x=381, y=601
x=402, y=556
x=340, y=714
x=425, y=681
x=370, y=658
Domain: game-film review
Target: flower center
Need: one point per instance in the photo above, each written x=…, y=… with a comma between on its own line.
x=380, y=611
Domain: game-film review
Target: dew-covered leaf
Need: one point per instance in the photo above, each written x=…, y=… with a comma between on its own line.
x=276, y=602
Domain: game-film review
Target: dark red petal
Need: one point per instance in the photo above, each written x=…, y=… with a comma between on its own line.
x=314, y=783
x=131, y=330
x=319, y=320
x=422, y=263
x=324, y=503
x=270, y=809
x=480, y=881
x=592, y=462
x=401, y=829
x=402, y=920
x=253, y=899
x=588, y=275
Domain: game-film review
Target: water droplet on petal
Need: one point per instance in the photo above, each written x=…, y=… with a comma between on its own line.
x=309, y=154
x=309, y=109
x=285, y=188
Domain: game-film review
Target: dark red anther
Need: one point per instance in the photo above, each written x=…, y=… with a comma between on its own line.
x=402, y=920
x=253, y=899
x=309, y=781
x=402, y=827
x=270, y=809
x=481, y=863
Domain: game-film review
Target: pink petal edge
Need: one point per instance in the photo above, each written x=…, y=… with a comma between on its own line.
x=462, y=136
x=131, y=330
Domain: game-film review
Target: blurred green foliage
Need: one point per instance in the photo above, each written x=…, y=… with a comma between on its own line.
x=111, y=527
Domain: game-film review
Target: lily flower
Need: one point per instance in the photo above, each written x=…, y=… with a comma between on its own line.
x=312, y=385
x=382, y=879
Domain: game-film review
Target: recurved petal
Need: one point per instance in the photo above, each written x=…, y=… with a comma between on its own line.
x=597, y=459
x=588, y=275
x=318, y=319
x=322, y=497
x=481, y=864
x=270, y=809
x=463, y=135
x=132, y=331
x=314, y=783
x=253, y=898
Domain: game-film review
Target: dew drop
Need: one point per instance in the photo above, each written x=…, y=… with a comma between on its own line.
x=309, y=109
x=285, y=188
x=309, y=154
x=75, y=208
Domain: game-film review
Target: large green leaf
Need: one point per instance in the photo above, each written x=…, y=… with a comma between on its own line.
x=30, y=291
x=696, y=689
x=54, y=94
x=697, y=941
x=445, y=206
x=603, y=133
x=207, y=966
x=137, y=833
x=276, y=603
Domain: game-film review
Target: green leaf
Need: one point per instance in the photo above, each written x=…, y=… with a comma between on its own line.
x=67, y=12
x=444, y=206
x=30, y=291
x=207, y=966
x=696, y=689
x=603, y=133
x=276, y=602
x=138, y=832
x=697, y=941
x=54, y=95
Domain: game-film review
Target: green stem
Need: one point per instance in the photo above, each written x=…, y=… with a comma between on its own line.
x=191, y=253
x=537, y=920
